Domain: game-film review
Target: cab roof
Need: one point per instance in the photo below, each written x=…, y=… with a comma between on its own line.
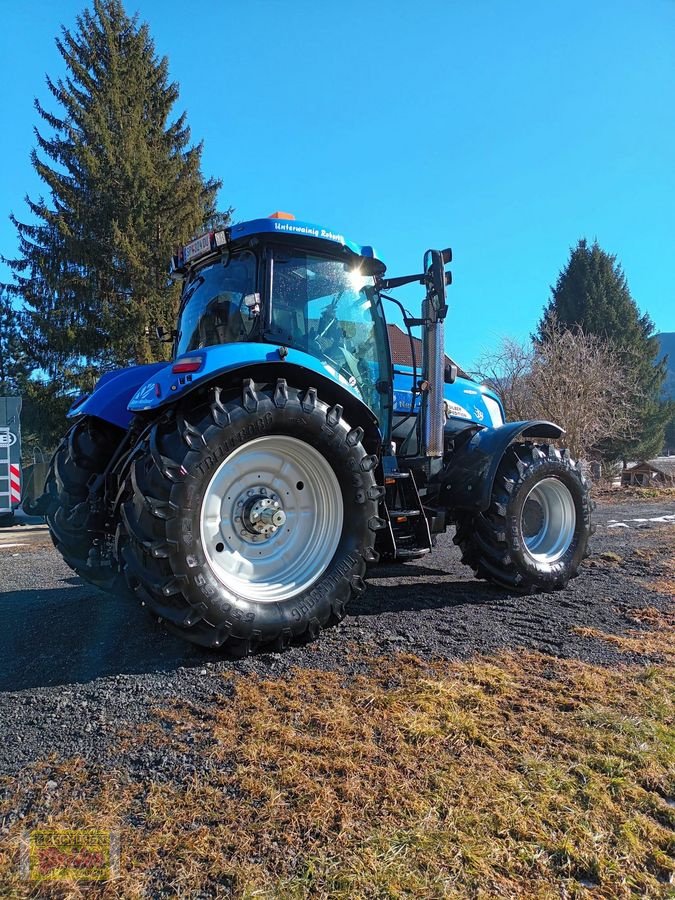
x=287, y=226
x=283, y=226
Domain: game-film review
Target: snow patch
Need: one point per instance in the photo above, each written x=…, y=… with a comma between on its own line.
x=614, y=523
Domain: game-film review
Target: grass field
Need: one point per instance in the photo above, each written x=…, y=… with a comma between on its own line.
x=521, y=775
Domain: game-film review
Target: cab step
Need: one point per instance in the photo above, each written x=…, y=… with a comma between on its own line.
x=407, y=535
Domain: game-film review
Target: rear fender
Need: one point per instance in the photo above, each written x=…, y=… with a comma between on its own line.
x=110, y=398
x=229, y=364
x=468, y=478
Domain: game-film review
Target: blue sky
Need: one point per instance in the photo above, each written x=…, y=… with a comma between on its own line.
x=506, y=130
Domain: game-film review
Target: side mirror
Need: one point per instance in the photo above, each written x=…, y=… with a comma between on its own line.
x=450, y=374
x=437, y=279
x=252, y=304
x=163, y=335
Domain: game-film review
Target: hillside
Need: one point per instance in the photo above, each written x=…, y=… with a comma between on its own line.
x=667, y=346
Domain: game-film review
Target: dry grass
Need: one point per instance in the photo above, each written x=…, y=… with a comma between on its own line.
x=660, y=560
x=632, y=494
x=520, y=776
x=663, y=586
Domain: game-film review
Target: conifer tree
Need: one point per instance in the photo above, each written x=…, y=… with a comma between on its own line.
x=670, y=434
x=14, y=367
x=592, y=293
x=124, y=187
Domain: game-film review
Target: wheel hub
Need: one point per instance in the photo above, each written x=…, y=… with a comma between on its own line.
x=257, y=513
x=264, y=515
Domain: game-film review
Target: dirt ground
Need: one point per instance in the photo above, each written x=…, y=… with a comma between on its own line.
x=74, y=661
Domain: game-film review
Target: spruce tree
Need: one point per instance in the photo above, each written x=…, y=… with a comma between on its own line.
x=14, y=366
x=592, y=292
x=124, y=187
x=669, y=442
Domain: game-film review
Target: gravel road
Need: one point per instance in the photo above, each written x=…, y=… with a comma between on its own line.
x=75, y=664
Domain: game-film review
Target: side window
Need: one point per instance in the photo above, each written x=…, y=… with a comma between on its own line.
x=289, y=301
x=215, y=308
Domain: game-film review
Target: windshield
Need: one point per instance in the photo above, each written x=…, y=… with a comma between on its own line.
x=328, y=309
x=219, y=305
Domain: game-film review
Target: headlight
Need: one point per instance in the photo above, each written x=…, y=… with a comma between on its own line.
x=494, y=411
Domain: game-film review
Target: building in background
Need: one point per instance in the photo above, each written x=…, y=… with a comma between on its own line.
x=10, y=458
x=659, y=472
x=402, y=353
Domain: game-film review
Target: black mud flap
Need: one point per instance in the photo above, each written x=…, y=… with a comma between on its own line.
x=468, y=476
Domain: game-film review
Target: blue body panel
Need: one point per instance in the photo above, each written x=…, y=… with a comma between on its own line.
x=112, y=393
x=466, y=399
x=165, y=386
x=123, y=392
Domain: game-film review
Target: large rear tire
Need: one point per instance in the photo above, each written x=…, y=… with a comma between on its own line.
x=534, y=535
x=249, y=520
x=83, y=454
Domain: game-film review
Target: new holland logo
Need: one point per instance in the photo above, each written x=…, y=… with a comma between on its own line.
x=7, y=439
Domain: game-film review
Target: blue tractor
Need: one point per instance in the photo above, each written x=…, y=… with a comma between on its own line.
x=241, y=490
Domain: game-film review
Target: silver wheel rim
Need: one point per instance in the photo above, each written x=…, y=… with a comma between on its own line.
x=271, y=518
x=548, y=520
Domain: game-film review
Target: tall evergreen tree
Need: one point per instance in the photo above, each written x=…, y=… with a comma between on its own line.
x=14, y=366
x=670, y=434
x=592, y=292
x=125, y=187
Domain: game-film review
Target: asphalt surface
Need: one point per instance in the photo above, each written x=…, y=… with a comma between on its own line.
x=76, y=664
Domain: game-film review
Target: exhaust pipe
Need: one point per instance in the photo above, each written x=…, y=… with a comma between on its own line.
x=434, y=310
x=433, y=366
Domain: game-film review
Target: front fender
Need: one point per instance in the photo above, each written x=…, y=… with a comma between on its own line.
x=469, y=476
x=110, y=398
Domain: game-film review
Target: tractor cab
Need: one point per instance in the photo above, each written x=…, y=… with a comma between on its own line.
x=294, y=285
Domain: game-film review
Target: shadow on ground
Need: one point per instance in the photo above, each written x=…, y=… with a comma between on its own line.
x=77, y=633
x=69, y=632
x=429, y=595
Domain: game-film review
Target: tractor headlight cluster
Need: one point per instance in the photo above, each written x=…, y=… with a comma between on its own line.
x=494, y=411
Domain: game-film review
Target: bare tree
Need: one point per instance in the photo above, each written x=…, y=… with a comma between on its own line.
x=507, y=371
x=569, y=377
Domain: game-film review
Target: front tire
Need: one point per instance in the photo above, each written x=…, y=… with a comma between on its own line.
x=534, y=535
x=250, y=519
